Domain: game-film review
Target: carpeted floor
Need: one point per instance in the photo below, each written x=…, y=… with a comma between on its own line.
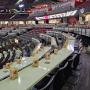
x=82, y=77
x=84, y=80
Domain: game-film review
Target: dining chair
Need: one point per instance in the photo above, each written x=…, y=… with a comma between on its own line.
x=52, y=82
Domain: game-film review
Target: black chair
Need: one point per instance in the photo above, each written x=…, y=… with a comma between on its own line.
x=28, y=51
x=53, y=82
x=1, y=59
x=76, y=61
x=74, y=76
x=71, y=60
x=13, y=56
x=5, y=60
x=61, y=77
x=10, y=55
x=43, y=41
x=61, y=65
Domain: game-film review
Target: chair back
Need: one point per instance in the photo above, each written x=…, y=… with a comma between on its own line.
x=51, y=80
x=59, y=78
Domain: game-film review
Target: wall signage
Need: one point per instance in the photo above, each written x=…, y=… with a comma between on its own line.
x=60, y=15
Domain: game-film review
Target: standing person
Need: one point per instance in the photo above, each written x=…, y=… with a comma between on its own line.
x=53, y=42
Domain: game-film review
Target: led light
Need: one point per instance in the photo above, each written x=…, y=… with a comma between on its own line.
x=21, y=5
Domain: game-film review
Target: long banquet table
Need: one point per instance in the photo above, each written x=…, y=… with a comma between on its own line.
x=29, y=76
x=26, y=61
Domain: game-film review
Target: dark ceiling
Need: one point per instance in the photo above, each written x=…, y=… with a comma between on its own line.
x=6, y=7
x=7, y=3
x=28, y=3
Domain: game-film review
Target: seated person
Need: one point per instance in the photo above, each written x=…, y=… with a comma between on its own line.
x=27, y=49
x=5, y=54
x=24, y=53
x=18, y=53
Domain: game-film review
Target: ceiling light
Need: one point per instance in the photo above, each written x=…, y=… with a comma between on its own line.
x=21, y=5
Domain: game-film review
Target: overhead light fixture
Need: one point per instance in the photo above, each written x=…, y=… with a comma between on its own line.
x=21, y=5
